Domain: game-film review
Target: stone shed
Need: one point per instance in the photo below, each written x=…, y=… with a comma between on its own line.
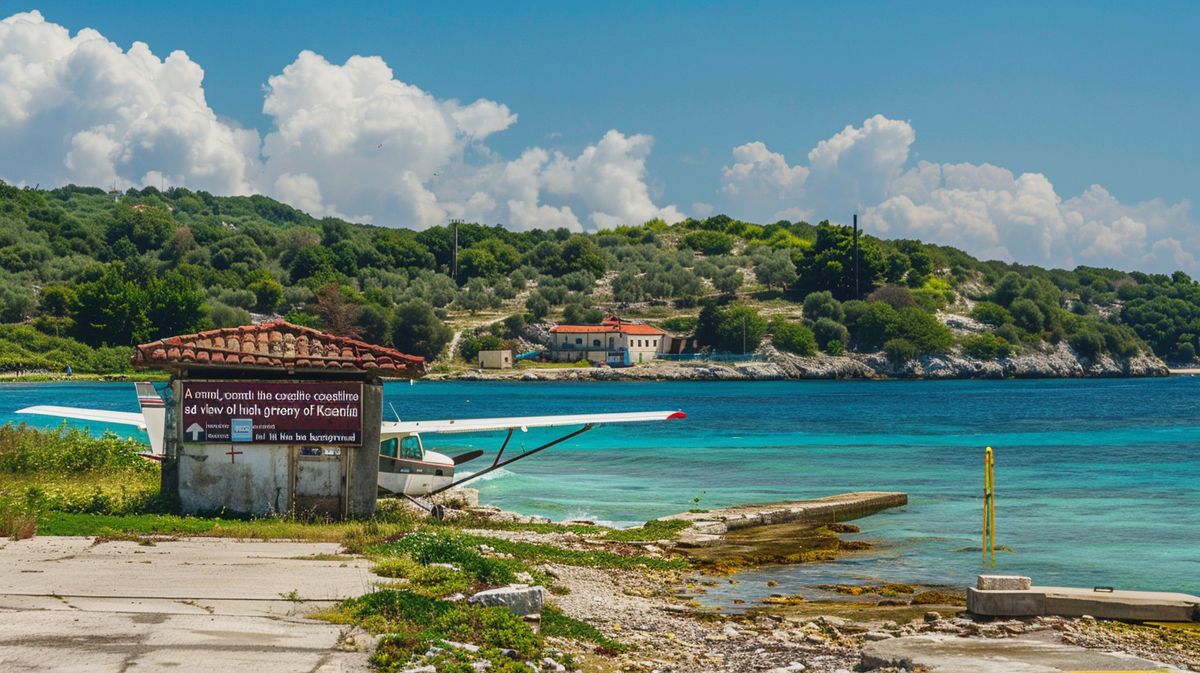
x=273, y=418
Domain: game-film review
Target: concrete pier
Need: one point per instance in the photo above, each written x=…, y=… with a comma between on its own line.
x=710, y=527
x=1036, y=601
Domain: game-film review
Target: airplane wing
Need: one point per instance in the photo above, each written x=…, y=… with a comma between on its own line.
x=99, y=415
x=524, y=422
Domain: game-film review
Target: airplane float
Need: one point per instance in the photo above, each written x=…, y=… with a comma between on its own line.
x=406, y=468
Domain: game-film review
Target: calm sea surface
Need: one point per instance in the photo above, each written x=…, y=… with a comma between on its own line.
x=1096, y=481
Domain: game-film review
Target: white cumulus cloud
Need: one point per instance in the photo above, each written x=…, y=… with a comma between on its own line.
x=985, y=209
x=347, y=139
x=80, y=109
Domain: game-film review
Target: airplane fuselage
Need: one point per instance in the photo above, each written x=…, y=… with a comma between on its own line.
x=405, y=467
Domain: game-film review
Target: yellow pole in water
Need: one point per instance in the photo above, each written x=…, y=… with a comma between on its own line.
x=989, y=506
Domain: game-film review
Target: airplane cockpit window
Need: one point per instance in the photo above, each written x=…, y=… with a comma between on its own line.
x=410, y=448
x=388, y=447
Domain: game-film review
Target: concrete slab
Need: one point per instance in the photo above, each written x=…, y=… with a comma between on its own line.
x=1156, y=606
x=188, y=605
x=952, y=654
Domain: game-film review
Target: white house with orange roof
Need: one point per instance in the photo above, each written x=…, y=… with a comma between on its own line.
x=614, y=341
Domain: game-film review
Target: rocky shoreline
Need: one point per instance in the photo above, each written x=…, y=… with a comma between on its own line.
x=836, y=629
x=664, y=632
x=773, y=365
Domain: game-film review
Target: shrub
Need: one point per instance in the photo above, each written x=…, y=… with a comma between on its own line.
x=427, y=547
x=708, y=242
x=872, y=323
x=934, y=294
x=990, y=313
x=894, y=296
x=469, y=347
x=1186, y=351
x=795, y=338
x=985, y=346
x=681, y=324
x=900, y=350
x=826, y=330
x=819, y=305
x=1027, y=315
x=835, y=347
x=1087, y=342
x=922, y=330
x=732, y=329
x=538, y=306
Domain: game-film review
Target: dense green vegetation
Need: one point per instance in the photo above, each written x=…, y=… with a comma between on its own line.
x=84, y=275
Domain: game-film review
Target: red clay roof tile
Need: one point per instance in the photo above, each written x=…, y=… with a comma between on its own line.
x=276, y=344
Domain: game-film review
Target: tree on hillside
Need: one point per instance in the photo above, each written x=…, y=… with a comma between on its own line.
x=146, y=226
x=829, y=263
x=821, y=304
x=111, y=310
x=338, y=314
x=775, y=269
x=737, y=329
x=417, y=330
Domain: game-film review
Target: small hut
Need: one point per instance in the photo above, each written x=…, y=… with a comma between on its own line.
x=273, y=418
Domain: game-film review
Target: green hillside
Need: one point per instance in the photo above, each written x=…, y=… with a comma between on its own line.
x=85, y=274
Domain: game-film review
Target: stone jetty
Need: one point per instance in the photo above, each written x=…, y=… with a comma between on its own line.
x=710, y=527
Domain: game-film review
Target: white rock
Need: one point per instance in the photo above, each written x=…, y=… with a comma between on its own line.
x=519, y=599
x=1003, y=583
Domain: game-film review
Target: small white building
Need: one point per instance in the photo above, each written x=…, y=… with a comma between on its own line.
x=614, y=341
x=495, y=359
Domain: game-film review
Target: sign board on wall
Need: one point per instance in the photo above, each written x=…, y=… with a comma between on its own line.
x=271, y=413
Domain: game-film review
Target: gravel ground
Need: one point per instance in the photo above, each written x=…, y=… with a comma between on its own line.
x=644, y=611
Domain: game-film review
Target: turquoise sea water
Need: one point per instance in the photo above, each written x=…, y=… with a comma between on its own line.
x=1096, y=481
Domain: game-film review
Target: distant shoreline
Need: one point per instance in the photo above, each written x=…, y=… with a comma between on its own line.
x=1059, y=363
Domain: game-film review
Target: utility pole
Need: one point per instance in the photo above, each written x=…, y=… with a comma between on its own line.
x=454, y=263
x=857, y=292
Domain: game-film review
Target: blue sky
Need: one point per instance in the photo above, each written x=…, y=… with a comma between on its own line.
x=1082, y=93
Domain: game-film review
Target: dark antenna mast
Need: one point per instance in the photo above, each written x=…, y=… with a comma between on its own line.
x=454, y=223
x=857, y=292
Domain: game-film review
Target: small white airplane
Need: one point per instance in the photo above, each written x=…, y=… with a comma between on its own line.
x=406, y=468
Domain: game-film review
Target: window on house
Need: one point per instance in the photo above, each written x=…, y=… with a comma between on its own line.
x=579, y=341
x=596, y=343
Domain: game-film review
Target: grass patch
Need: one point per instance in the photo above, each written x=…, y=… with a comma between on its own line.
x=518, y=526
x=17, y=521
x=648, y=532
x=355, y=536
x=545, y=553
x=555, y=623
x=410, y=623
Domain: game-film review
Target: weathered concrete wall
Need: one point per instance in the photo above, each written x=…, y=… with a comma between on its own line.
x=1076, y=602
x=169, y=481
x=256, y=481
x=363, y=474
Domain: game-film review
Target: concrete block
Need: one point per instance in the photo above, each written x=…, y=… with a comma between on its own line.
x=518, y=599
x=1003, y=583
x=1006, y=603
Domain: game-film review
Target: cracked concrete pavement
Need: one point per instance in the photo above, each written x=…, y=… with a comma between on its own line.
x=197, y=604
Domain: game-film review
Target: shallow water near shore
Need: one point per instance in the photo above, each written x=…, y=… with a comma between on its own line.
x=1096, y=480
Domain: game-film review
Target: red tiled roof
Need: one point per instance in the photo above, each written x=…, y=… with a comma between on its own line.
x=279, y=345
x=623, y=328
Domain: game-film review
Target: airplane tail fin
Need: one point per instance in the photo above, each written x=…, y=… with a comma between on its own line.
x=155, y=413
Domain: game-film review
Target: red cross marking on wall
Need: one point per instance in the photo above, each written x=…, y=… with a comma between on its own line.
x=233, y=454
